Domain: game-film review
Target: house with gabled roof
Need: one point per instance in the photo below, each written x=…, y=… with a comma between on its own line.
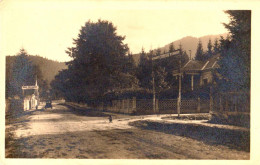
x=198, y=73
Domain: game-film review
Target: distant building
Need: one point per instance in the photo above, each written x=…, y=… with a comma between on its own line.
x=198, y=73
x=30, y=96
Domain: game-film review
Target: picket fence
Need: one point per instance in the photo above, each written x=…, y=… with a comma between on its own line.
x=164, y=106
x=232, y=103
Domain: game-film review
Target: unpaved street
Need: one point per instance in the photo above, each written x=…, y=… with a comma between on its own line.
x=65, y=132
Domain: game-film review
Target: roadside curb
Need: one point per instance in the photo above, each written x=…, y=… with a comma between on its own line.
x=238, y=138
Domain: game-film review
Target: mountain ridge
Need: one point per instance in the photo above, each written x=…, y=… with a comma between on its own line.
x=188, y=43
x=48, y=67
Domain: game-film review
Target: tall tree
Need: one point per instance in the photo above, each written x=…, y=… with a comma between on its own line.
x=216, y=46
x=130, y=66
x=158, y=52
x=200, y=53
x=22, y=72
x=160, y=76
x=209, y=51
x=185, y=58
x=99, y=60
x=235, y=52
x=171, y=48
x=144, y=71
x=143, y=56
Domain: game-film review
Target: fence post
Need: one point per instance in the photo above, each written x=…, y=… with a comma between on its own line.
x=157, y=106
x=123, y=106
x=198, y=108
x=112, y=106
x=115, y=105
x=210, y=101
x=127, y=101
x=102, y=106
x=134, y=104
x=118, y=105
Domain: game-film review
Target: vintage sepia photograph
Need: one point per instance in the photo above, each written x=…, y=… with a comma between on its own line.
x=120, y=80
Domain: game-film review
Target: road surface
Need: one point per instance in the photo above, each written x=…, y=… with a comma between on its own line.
x=65, y=132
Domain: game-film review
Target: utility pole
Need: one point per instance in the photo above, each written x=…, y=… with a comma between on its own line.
x=154, y=96
x=179, y=96
x=153, y=82
x=190, y=54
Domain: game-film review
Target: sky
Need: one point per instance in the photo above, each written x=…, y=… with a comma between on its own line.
x=47, y=28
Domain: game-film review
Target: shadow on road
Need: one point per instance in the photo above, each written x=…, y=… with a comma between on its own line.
x=15, y=120
x=85, y=111
x=235, y=139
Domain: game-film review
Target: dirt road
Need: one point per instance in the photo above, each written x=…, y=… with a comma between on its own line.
x=65, y=132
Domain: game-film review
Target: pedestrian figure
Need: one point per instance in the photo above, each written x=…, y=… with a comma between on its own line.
x=110, y=119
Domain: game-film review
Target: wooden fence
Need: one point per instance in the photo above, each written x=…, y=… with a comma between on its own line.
x=232, y=108
x=164, y=106
x=232, y=102
x=13, y=106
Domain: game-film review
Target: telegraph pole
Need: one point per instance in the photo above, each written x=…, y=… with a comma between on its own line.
x=154, y=97
x=153, y=82
x=179, y=95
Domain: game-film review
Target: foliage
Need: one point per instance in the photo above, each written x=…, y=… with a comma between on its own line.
x=235, y=52
x=200, y=53
x=209, y=51
x=100, y=63
x=160, y=79
x=48, y=68
x=158, y=52
x=21, y=71
x=144, y=71
x=171, y=48
x=216, y=47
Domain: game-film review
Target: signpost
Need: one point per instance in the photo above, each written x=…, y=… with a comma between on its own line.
x=34, y=99
x=30, y=87
x=174, y=53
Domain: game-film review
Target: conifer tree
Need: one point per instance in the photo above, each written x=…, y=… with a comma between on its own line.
x=158, y=52
x=209, y=51
x=216, y=46
x=171, y=48
x=199, y=53
x=235, y=52
x=100, y=63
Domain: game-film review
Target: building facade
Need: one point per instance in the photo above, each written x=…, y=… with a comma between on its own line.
x=198, y=73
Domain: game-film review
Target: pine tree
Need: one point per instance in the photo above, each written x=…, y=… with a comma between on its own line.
x=158, y=52
x=216, y=46
x=160, y=79
x=199, y=53
x=143, y=57
x=23, y=73
x=210, y=51
x=100, y=62
x=235, y=52
x=144, y=71
x=171, y=48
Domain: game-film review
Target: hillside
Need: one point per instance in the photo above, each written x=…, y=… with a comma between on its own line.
x=49, y=68
x=188, y=43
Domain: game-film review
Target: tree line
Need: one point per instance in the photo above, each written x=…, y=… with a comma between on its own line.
x=21, y=71
x=103, y=66
x=212, y=49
